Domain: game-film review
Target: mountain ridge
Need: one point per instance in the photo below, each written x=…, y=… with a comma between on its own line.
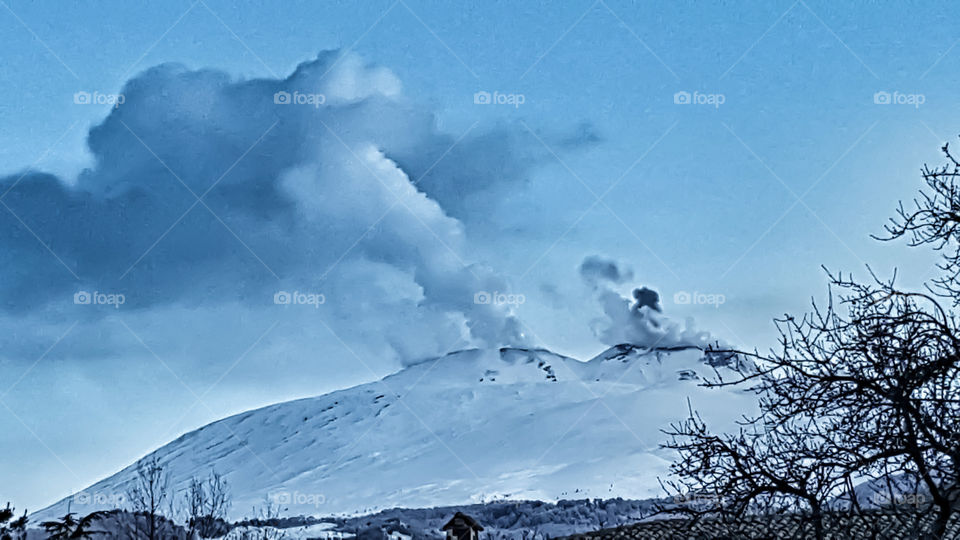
x=467, y=426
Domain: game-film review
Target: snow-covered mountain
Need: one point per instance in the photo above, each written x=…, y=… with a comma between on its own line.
x=469, y=426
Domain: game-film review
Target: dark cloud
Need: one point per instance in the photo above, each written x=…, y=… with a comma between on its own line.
x=646, y=298
x=307, y=183
x=469, y=177
x=596, y=269
x=638, y=321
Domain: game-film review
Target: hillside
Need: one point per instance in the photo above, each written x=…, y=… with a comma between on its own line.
x=468, y=427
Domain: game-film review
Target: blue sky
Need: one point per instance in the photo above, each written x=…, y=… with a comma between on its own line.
x=400, y=198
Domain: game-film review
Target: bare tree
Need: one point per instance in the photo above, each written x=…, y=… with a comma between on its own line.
x=873, y=393
x=863, y=390
x=760, y=469
x=207, y=505
x=263, y=524
x=934, y=220
x=149, y=492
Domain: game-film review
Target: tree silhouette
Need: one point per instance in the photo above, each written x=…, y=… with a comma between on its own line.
x=69, y=527
x=149, y=492
x=934, y=220
x=863, y=389
x=12, y=527
x=207, y=504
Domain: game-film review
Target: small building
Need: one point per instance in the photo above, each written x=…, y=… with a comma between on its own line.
x=462, y=527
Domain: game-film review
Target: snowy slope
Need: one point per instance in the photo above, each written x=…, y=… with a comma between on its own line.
x=466, y=427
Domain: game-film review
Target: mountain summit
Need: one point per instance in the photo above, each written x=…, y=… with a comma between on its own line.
x=469, y=426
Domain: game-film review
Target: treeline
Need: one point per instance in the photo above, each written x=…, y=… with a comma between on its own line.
x=150, y=511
